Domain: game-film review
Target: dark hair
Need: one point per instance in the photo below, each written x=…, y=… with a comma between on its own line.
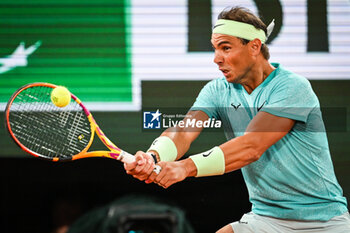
x=244, y=15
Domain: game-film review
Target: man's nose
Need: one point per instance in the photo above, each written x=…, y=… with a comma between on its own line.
x=218, y=59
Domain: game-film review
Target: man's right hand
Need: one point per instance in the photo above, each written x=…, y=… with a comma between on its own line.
x=143, y=166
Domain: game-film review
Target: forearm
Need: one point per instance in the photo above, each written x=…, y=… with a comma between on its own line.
x=175, y=142
x=242, y=151
x=227, y=157
x=182, y=143
x=181, y=140
x=215, y=161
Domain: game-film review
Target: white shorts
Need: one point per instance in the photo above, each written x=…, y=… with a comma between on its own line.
x=252, y=223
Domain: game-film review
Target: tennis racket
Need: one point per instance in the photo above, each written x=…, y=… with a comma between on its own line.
x=53, y=133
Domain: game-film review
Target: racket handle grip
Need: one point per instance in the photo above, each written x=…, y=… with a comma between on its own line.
x=126, y=157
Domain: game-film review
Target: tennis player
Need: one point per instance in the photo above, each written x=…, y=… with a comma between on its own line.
x=275, y=135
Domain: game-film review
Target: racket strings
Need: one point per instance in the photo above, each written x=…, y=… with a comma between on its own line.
x=46, y=129
x=77, y=131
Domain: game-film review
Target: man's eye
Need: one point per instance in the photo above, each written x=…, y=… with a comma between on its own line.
x=226, y=48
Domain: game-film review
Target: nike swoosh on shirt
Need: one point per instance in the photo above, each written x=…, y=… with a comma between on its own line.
x=261, y=106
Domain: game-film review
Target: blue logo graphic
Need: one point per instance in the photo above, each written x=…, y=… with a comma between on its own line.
x=151, y=120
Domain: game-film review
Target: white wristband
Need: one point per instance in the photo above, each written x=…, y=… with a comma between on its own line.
x=165, y=148
x=210, y=163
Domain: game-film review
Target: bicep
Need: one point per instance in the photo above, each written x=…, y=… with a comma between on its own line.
x=262, y=132
x=266, y=129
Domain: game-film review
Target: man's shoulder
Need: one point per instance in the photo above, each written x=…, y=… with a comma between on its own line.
x=289, y=78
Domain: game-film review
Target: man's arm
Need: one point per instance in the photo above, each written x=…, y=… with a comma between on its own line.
x=182, y=138
x=262, y=132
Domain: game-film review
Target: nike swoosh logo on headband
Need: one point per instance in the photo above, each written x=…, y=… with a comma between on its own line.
x=218, y=25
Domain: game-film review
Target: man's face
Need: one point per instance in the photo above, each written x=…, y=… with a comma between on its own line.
x=232, y=57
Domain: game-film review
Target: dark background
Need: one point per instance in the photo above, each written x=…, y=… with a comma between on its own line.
x=32, y=190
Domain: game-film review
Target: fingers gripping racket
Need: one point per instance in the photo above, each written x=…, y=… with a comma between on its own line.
x=57, y=134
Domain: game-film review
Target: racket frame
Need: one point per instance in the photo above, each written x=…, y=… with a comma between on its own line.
x=114, y=153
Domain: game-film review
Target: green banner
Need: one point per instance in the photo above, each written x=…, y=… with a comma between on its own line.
x=83, y=45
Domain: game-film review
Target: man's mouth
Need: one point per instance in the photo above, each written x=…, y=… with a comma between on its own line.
x=224, y=71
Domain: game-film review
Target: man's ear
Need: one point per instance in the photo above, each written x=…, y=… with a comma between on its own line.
x=255, y=46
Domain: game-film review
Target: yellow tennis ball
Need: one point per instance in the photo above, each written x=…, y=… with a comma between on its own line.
x=60, y=96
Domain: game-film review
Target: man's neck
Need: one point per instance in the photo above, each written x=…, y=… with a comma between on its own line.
x=257, y=76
